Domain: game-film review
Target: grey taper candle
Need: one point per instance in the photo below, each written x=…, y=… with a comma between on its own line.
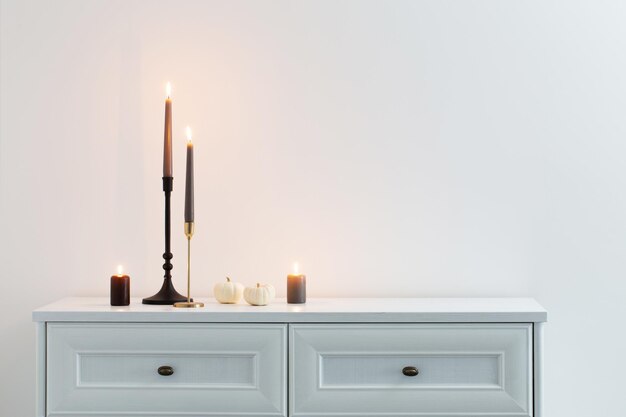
x=189, y=180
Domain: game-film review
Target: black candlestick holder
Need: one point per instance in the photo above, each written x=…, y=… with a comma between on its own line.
x=167, y=294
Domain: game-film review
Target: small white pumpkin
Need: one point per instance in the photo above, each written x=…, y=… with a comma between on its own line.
x=228, y=292
x=260, y=295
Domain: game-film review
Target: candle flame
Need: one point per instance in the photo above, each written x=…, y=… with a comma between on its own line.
x=188, y=131
x=168, y=89
x=120, y=270
x=296, y=268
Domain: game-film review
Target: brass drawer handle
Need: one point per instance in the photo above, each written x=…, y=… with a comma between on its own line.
x=165, y=370
x=410, y=371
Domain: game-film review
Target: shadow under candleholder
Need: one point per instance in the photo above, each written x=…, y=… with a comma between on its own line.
x=167, y=294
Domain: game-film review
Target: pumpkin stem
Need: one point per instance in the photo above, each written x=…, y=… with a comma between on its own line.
x=258, y=285
x=227, y=279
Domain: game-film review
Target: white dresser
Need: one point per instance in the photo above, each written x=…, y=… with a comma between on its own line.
x=455, y=357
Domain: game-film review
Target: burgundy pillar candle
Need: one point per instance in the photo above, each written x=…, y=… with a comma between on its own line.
x=167, y=137
x=296, y=287
x=120, y=288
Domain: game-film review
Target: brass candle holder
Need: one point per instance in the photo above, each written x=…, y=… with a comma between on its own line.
x=188, y=303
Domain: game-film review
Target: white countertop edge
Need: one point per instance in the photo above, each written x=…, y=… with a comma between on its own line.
x=316, y=310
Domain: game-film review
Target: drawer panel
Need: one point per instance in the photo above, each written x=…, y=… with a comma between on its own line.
x=462, y=370
x=216, y=369
x=381, y=371
x=137, y=369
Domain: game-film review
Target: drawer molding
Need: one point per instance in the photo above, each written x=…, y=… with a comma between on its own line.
x=498, y=357
x=166, y=382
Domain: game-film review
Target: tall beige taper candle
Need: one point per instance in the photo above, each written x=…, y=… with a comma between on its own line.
x=167, y=141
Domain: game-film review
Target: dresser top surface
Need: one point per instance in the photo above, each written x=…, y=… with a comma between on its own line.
x=316, y=310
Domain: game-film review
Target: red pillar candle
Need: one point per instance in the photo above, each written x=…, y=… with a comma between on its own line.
x=120, y=288
x=296, y=287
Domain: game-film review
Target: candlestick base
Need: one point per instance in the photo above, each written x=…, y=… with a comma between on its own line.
x=167, y=295
x=188, y=305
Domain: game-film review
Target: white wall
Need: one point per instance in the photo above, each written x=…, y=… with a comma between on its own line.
x=423, y=148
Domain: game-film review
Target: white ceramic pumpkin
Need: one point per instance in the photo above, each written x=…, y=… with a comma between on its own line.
x=228, y=292
x=260, y=295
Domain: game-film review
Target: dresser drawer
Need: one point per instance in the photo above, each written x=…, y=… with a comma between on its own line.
x=166, y=369
x=438, y=370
